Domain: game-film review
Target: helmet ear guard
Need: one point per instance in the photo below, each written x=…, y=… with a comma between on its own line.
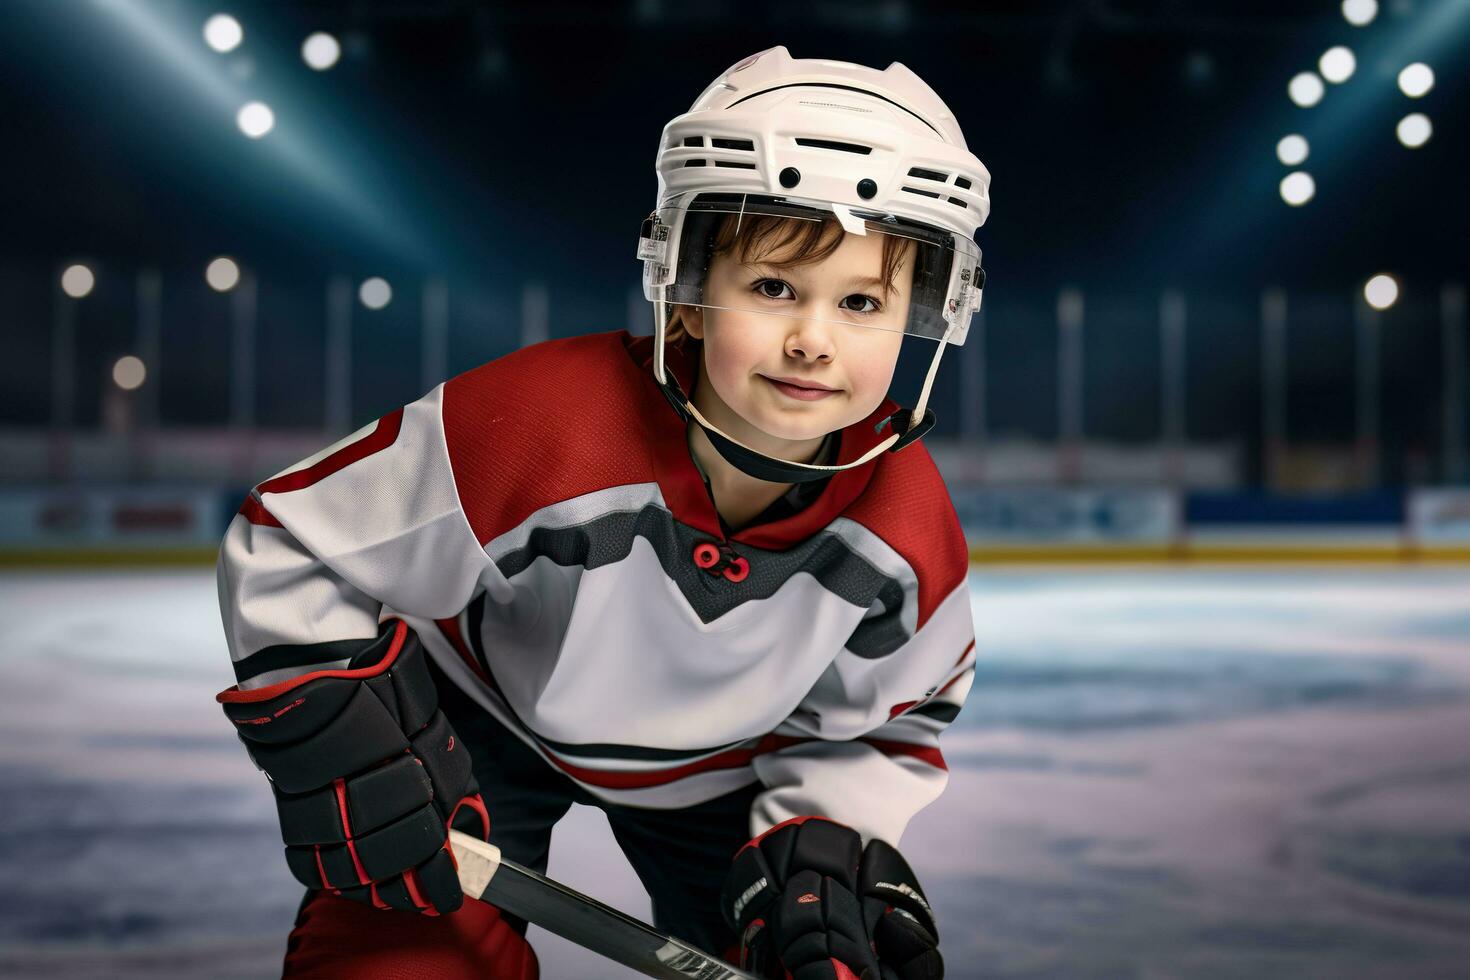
x=772, y=127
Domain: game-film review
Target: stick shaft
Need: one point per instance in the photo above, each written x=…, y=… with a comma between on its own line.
x=560, y=910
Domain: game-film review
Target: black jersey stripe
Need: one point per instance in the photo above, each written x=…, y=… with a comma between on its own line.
x=938, y=710
x=284, y=655
x=606, y=750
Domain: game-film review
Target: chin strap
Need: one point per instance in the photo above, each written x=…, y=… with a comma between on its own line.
x=752, y=462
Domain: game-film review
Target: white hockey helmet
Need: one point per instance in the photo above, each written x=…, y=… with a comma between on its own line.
x=816, y=140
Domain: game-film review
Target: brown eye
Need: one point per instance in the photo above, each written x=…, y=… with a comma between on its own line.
x=861, y=298
x=761, y=287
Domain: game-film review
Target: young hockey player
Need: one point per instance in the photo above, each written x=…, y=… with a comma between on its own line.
x=734, y=618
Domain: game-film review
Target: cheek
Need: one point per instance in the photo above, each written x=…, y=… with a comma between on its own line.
x=872, y=370
x=729, y=358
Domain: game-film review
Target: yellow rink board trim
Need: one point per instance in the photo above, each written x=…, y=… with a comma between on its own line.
x=980, y=555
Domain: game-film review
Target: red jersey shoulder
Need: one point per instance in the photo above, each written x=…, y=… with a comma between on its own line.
x=907, y=505
x=543, y=424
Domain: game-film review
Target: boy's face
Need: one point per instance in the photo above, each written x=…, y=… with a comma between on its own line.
x=745, y=349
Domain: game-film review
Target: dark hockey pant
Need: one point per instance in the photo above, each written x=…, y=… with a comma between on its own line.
x=680, y=856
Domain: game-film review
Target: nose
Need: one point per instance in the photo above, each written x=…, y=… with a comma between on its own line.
x=810, y=340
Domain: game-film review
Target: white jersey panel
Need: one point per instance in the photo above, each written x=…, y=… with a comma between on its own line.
x=850, y=782
x=617, y=655
x=859, y=693
x=320, y=557
x=390, y=524
x=273, y=592
x=866, y=769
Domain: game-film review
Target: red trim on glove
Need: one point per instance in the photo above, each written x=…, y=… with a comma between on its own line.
x=411, y=882
x=340, y=785
x=233, y=695
x=789, y=822
x=476, y=803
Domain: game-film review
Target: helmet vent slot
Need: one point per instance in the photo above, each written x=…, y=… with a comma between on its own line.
x=915, y=190
x=928, y=174
x=694, y=141
x=962, y=182
x=729, y=144
x=737, y=166
x=693, y=163
x=834, y=145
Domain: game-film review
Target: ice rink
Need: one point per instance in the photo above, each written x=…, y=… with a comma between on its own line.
x=1171, y=772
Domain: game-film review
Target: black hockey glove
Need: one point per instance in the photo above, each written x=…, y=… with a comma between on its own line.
x=897, y=917
x=367, y=776
x=792, y=898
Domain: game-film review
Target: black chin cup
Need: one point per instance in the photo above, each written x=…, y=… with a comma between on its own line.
x=900, y=422
x=772, y=470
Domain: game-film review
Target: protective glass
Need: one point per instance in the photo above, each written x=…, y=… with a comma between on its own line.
x=781, y=256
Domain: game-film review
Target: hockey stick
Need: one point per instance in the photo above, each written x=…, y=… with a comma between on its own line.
x=579, y=919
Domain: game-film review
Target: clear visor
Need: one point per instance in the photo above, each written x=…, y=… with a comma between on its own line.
x=788, y=257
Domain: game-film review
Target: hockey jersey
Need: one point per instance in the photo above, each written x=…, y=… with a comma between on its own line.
x=535, y=521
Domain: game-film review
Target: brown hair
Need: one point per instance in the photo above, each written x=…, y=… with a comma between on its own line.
x=758, y=235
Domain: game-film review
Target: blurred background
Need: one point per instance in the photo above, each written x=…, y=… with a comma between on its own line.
x=1209, y=437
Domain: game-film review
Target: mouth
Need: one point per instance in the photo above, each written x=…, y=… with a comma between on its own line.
x=802, y=391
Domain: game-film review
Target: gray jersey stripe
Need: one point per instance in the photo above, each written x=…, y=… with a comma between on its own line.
x=836, y=560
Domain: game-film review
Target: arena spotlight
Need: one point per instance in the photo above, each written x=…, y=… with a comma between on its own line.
x=222, y=274
x=223, y=33
x=375, y=293
x=77, y=281
x=1306, y=89
x=1414, y=130
x=1359, y=13
x=321, y=51
x=1297, y=188
x=1337, y=64
x=129, y=373
x=1382, y=291
x=1292, y=150
x=1416, y=80
x=255, y=119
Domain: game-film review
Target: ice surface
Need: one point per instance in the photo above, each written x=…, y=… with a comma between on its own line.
x=1180, y=772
